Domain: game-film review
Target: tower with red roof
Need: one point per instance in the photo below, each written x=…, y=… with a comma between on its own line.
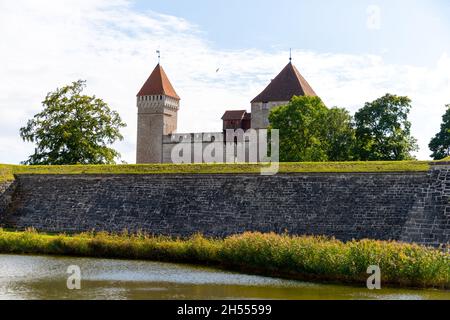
x=158, y=105
x=287, y=84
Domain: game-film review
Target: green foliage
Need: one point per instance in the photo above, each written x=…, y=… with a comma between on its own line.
x=7, y=171
x=309, y=131
x=440, y=144
x=73, y=129
x=316, y=258
x=340, y=135
x=383, y=131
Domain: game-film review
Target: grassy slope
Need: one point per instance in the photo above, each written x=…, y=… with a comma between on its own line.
x=304, y=258
x=7, y=171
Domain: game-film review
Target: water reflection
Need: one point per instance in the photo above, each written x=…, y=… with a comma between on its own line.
x=39, y=277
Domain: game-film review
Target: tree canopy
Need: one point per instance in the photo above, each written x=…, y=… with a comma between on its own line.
x=383, y=131
x=73, y=129
x=309, y=131
x=340, y=135
x=440, y=144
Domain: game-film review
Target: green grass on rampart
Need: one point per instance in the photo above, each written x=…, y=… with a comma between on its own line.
x=304, y=258
x=7, y=172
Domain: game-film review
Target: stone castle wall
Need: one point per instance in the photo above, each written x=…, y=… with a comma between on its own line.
x=261, y=111
x=411, y=207
x=198, y=143
x=157, y=116
x=6, y=193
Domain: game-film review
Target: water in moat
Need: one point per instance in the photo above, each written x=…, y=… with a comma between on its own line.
x=43, y=277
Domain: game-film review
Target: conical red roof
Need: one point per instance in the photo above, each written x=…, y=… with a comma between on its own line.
x=287, y=84
x=158, y=84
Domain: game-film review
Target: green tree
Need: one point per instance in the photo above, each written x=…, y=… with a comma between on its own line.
x=309, y=131
x=340, y=135
x=73, y=129
x=383, y=131
x=440, y=144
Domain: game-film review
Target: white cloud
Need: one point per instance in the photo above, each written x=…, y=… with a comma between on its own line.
x=45, y=44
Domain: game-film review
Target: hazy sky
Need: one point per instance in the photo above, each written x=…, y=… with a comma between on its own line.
x=350, y=52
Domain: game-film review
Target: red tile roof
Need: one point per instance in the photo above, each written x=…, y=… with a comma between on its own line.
x=158, y=84
x=287, y=84
x=234, y=115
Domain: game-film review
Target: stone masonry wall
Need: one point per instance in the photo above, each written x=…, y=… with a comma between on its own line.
x=6, y=194
x=411, y=207
x=197, y=144
x=429, y=221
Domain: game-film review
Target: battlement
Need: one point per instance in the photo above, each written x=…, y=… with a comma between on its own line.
x=206, y=137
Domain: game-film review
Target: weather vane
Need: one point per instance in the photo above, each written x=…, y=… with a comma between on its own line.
x=159, y=55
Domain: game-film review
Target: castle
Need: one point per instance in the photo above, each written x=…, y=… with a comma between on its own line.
x=158, y=105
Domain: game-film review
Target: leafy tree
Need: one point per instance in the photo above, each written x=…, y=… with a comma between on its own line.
x=309, y=131
x=73, y=129
x=383, y=131
x=440, y=144
x=340, y=135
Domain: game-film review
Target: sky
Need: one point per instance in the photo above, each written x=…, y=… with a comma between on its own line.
x=350, y=51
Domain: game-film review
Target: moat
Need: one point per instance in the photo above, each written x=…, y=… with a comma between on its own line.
x=42, y=277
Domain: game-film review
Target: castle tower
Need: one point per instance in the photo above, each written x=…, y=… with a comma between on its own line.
x=279, y=92
x=158, y=106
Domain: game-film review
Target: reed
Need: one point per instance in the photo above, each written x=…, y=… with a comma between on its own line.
x=295, y=257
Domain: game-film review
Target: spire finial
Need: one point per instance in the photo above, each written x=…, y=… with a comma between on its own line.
x=290, y=54
x=159, y=55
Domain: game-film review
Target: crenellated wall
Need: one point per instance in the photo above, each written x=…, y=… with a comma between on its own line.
x=411, y=207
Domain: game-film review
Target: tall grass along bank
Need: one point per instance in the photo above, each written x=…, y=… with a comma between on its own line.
x=303, y=258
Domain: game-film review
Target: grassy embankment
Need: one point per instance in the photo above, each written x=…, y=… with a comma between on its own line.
x=7, y=171
x=304, y=258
